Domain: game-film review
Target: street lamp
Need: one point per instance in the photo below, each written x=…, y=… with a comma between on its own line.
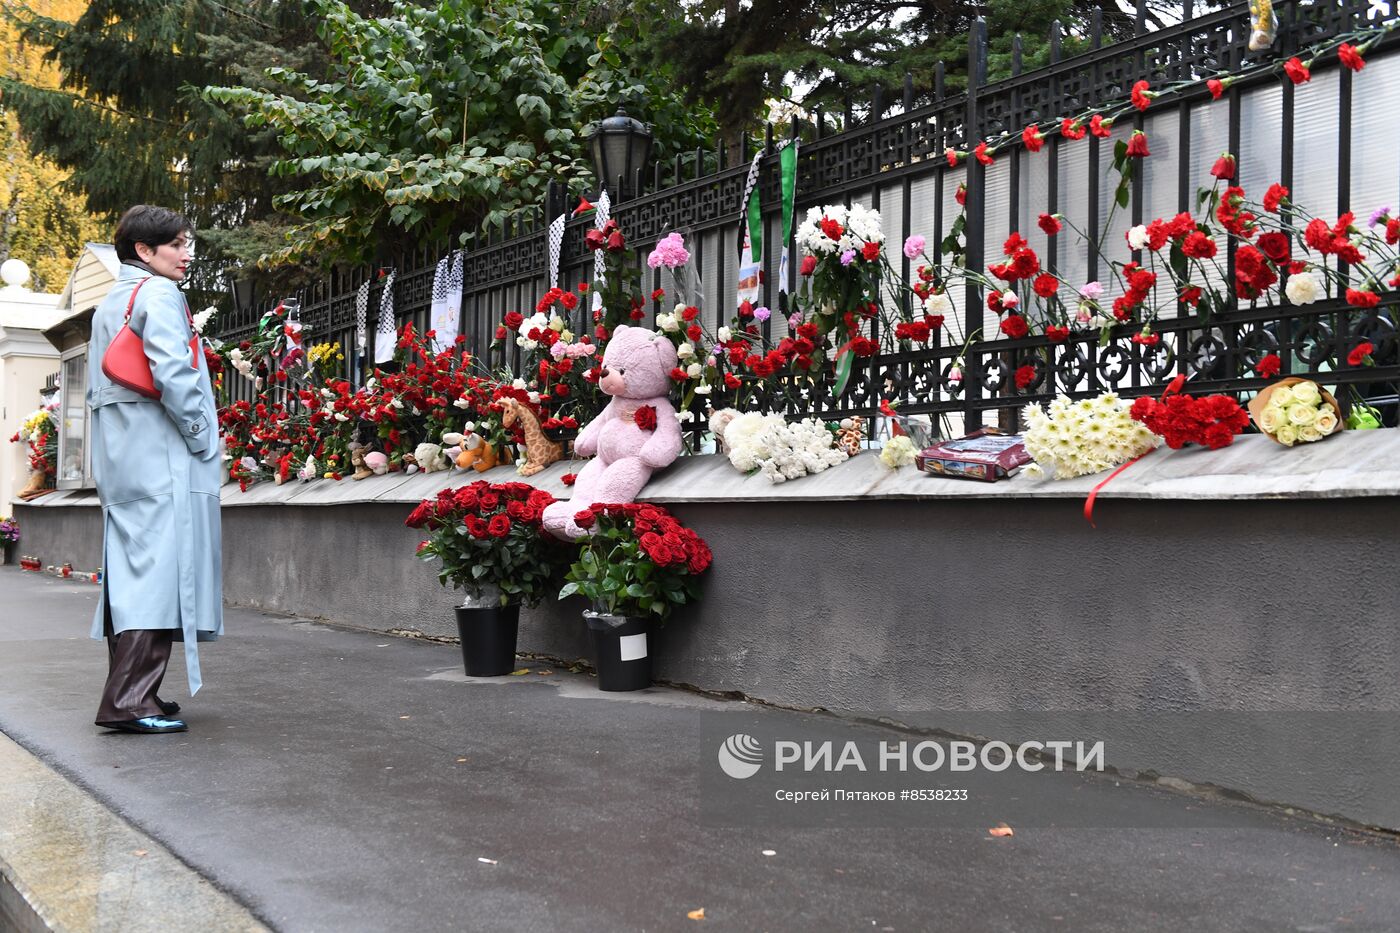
x=620, y=146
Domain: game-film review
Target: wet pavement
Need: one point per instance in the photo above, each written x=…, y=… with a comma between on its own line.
x=339, y=780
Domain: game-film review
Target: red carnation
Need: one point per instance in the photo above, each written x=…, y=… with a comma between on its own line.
x=1100, y=127
x=1297, y=72
x=1350, y=56
x=1362, y=298
x=1137, y=145
x=645, y=418
x=1224, y=167
x=961, y=195
x=1072, y=129
x=1361, y=356
x=983, y=154
x=1276, y=195
x=1045, y=285
x=1025, y=375
x=1014, y=326
x=1141, y=96
x=1050, y=224
x=870, y=251
x=1057, y=334
x=1033, y=138
x=1215, y=87
x=832, y=229
x=1198, y=246
x=1268, y=366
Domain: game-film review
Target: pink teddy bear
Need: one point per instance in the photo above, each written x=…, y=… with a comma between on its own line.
x=636, y=372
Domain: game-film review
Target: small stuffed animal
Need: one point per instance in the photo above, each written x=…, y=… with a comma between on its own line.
x=851, y=435
x=636, y=434
x=429, y=457
x=476, y=453
x=357, y=460
x=540, y=451
x=377, y=462
x=309, y=470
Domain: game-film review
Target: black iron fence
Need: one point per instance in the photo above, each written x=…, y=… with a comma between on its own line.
x=1334, y=141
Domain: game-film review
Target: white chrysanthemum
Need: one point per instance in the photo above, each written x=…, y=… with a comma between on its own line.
x=1304, y=288
x=859, y=226
x=1087, y=436
x=1138, y=238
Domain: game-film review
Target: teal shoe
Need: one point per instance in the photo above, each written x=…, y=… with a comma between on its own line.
x=149, y=724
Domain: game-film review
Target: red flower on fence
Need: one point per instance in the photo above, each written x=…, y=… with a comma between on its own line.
x=1297, y=72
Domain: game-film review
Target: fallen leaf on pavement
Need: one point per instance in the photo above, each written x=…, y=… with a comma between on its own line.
x=544, y=673
x=697, y=914
x=523, y=670
x=139, y=853
x=1001, y=829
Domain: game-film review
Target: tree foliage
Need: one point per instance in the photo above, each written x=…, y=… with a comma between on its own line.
x=435, y=120
x=41, y=220
x=738, y=58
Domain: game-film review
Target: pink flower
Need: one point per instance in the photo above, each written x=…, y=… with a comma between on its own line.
x=669, y=252
x=914, y=246
x=1090, y=291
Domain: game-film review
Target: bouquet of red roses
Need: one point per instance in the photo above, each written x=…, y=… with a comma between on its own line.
x=639, y=561
x=1211, y=421
x=489, y=539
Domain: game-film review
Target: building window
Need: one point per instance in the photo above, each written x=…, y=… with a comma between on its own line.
x=73, y=469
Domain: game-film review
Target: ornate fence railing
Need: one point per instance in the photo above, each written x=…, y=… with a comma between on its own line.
x=1334, y=141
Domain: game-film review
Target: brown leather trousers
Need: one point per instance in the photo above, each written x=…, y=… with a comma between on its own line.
x=136, y=663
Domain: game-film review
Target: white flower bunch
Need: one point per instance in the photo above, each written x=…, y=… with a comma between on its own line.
x=1088, y=436
x=898, y=451
x=241, y=363
x=202, y=318
x=537, y=322
x=859, y=225
x=779, y=450
x=1297, y=414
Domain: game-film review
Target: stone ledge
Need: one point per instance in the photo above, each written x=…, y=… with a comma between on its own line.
x=1351, y=465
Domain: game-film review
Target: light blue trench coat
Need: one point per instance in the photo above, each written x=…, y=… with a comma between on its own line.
x=156, y=463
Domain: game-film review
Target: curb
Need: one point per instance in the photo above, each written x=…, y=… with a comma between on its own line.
x=70, y=865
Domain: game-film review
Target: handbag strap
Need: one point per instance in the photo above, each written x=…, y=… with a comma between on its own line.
x=131, y=303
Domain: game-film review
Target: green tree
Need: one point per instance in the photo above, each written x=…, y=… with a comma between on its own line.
x=436, y=120
x=125, y=118
x=737, y=58
x=41, y=221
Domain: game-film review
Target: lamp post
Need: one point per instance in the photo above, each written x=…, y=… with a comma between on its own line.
x=620, y=146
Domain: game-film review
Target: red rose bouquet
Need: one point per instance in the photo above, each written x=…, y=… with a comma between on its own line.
x=1212, y=421
x=639, y=561
x=490, y=542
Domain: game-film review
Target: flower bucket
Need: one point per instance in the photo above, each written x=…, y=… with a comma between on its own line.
x=7, y=553
x=488, y=638
x=620, y=651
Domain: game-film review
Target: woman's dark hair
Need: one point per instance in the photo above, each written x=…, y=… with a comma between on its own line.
x=154, y=226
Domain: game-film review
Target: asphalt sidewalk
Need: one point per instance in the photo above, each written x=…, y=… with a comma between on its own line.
x=336, y=780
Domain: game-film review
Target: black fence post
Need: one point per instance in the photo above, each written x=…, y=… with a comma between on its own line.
x=976, y=218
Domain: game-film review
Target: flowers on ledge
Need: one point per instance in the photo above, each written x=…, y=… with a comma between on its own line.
x=1088, y=436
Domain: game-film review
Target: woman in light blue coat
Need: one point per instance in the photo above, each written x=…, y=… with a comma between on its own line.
x=156, y=463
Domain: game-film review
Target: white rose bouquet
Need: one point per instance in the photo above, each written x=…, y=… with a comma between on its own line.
x=1296, y=411
x=776, y=448
x=1089, y=436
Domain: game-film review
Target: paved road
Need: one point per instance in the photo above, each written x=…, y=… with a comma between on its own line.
x=335, y=780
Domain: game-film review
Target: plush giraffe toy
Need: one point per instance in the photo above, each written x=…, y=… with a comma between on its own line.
x=540, y=451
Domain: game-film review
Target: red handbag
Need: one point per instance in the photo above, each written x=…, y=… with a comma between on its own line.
x=125, y=361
